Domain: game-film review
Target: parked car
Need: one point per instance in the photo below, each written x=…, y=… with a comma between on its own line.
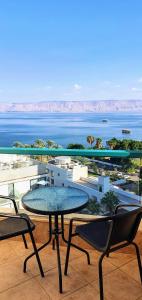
x=126, y=176
x=120, y=174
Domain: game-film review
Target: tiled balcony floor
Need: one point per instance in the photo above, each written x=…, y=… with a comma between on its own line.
x=121, y=278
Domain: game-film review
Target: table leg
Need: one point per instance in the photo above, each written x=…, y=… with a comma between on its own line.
x=53, y=243
x=62, y=229
x=58, y=253
x=40, y=248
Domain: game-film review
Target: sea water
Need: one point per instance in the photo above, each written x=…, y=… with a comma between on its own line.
x=65, y=128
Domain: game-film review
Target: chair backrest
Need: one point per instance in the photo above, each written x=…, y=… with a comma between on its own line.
x=125, y=226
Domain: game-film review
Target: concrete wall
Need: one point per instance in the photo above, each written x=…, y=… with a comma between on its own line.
x=4, y=190
x=125, y=193
x=90, y=191
x=60, y=175
x=23, y=172
x=119, y=181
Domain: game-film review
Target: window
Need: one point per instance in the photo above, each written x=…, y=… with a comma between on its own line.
x=42, y=178
x=11, y=189
x=33, y=182
x=52, y=181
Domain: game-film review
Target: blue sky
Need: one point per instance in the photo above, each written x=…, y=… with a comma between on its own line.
x=70, y=50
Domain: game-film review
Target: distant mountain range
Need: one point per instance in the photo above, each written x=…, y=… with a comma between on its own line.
x=101, y=106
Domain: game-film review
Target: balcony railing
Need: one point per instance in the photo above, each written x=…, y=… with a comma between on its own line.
x=72, y=152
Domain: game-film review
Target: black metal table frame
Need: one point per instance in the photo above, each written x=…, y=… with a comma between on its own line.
x=54, y=237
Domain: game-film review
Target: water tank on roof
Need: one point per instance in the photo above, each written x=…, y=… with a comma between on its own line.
x=63, y=160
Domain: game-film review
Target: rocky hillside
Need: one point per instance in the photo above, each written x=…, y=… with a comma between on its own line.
x=75, y=106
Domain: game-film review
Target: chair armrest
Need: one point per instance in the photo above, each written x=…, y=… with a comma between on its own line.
x=85, y=220
x=13, y=200
x=3, y=215
x=125, y=205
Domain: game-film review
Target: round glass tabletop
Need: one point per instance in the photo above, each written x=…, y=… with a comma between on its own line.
x=55, y=200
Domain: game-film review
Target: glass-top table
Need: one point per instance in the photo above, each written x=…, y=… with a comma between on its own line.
x=55, y=202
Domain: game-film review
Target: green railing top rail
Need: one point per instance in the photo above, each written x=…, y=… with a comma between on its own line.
x=71, y=152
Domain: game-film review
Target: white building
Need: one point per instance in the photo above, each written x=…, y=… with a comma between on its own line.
x=62, y=170
x=19, y=173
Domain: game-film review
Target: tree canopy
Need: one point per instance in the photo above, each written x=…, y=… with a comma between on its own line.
x=109, y=202
x=90, y=139
x=75, y=146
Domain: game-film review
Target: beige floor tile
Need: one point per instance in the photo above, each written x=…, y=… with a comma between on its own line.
x=12, y=274
x=71, y=283
x=48, y=258
x=118, y=285
x=19, y=248
x=14, y=284
x=90, y=272
x=132, y=269
x=74, y=253
x=85, y=293
x=29, y=290
x=7, y=254
x=119, y=259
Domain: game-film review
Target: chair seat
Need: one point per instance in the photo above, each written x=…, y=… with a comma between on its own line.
x=10, y=227
x=96, y=234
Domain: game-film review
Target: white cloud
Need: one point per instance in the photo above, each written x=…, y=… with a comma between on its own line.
x=110, y=84
x=107, y=82
x=117, y=86
x=77, y=87
x=135, y=89
x=67, y=94
x=47, y=87
x=140, y=80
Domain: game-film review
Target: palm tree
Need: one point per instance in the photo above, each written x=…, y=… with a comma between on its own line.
x=75, y=146
x=125, y=144
x=18, y=145
x=112, y=143
x=90, y=139
x=50, y=144
x=110, y=201
x=94, y=206
x=39, y=143
x=98, y=143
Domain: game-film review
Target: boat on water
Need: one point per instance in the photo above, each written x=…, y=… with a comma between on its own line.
x=126, y=131
x=104, y=120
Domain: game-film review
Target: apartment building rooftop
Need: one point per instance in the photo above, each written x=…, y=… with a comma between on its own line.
x=64, y=162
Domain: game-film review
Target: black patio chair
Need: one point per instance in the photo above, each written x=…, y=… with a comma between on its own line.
x=16, y=225
x=108, y=234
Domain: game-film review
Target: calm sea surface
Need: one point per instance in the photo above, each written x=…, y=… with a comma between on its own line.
x=65, y=128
